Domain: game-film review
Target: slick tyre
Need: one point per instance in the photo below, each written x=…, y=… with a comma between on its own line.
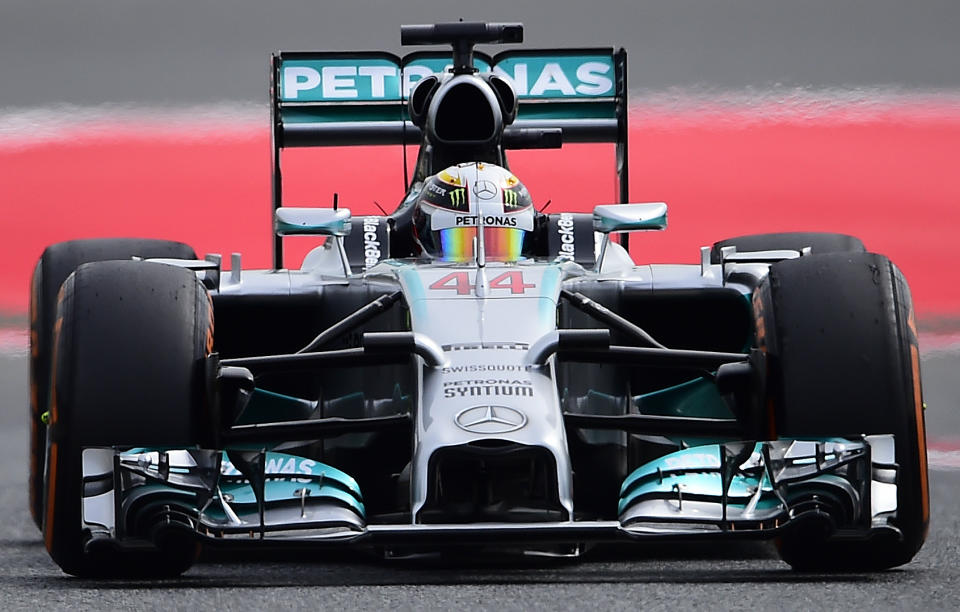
x=841, y=343
x=818, y=242
x=54, y=266
x=130, y=341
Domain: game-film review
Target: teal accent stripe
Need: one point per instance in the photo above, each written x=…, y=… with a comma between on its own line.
x=336, y=485
x=276, y=490
x=415, y=292
x=266, y=406
x=693, y=398
x=327, y=114
x=559, y=110
x=612, y=225
x=302, y=466
x=395, y=112
x=550, y=288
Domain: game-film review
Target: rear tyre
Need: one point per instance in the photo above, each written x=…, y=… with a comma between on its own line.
x=54, y=266
x=128, y=369
x=818, y=242
x=841, y=343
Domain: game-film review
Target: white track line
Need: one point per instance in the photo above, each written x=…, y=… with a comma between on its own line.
x=14, y=342
x=937, y=344
x=671, y=108
x=943, y=459
x=20, y=128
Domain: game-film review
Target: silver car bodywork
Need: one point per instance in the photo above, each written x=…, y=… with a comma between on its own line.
x=490, y=376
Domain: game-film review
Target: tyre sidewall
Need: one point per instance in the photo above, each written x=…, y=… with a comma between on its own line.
x=105, y=310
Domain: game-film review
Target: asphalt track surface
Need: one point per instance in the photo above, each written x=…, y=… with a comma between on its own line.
x=89, y=60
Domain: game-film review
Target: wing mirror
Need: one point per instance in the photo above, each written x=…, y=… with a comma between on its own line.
x=610, y=218
x=295, y=221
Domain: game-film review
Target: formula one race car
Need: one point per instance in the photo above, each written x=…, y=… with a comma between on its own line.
x=467, y=373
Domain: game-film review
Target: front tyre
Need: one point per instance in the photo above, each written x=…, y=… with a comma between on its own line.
x=55, y=265
x=128, y=370
x=841, y=342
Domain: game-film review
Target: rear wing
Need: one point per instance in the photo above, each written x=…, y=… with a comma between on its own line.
x=360, y=98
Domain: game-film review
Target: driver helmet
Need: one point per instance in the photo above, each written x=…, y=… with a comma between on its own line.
x=457, y=201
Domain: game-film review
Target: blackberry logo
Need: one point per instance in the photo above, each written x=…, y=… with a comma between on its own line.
x=371, y=244
x=567, y=244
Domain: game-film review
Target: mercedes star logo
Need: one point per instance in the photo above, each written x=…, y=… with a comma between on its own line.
x=490, y=419
x=485, y=190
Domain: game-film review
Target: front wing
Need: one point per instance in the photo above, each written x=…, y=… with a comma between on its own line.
x=750, y=490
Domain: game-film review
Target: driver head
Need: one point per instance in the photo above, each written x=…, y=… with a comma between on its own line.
x=459, y=199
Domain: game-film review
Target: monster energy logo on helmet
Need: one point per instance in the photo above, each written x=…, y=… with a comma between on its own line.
x=509, y=198
x=458, y=196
